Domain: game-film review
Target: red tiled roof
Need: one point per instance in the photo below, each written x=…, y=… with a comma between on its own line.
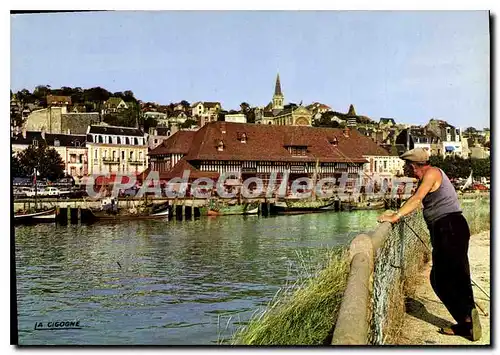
x=267, y=143
x=58, y=98
x=181, y=166
x=178, y=143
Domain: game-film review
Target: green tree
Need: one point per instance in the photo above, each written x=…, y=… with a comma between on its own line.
x=188, y=123
x=46, y=160
x=481, y=167
x=17, y=170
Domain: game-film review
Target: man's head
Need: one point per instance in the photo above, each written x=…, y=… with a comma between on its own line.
x=416, y=162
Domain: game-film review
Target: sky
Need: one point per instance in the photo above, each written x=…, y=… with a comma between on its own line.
x=409, y=65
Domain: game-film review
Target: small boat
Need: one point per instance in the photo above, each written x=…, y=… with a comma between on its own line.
x=46, y=216
x=357, y=206
x=302, y=206
x=152, y=212
x=221, y=209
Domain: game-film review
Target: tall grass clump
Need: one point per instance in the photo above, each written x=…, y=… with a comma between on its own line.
x=303, y=313
x=477, y=213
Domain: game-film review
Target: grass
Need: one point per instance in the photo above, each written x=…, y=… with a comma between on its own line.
x=303, y=313
x=477, y=213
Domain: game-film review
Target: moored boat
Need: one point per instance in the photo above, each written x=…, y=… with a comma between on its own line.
x=302, y=206
x=47, y=216
x=220, y=209
x=375, y=205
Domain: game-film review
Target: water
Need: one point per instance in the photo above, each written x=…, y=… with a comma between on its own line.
x=156, y=282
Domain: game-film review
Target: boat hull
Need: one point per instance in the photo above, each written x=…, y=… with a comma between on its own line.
x=302, y=207
x=230, y=210
x=46, y=216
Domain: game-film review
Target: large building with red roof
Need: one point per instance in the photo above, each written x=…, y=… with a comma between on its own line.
x=258, y=150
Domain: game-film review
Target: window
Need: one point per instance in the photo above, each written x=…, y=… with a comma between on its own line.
x=100, y=139
x=298, y=151
x=35, y=143
x=156, y=141
x=95, y=154
x=123, y=155
x=140, y=156
x=136, y=141
x=385, y=164
x=56, y=143
x=114, y=154
x=127, y=141
x=131, y=156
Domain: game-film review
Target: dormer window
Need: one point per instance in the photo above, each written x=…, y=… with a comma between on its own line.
x=35, y=143
x=56, y=143
x=297, y=150
x=220, y=146
x=242, y=137
x=334, y=142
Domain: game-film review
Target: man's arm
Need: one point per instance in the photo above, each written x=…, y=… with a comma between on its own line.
x=415, y=201
x=425, y=186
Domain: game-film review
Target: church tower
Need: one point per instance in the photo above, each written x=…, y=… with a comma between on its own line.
x=278, y=98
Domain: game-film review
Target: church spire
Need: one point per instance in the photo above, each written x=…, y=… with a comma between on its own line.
x=277, y=89
x=278, y=98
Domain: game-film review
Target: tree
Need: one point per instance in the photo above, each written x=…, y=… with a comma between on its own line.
x=17, y=169
x=40, y=93
x=245, y=107
x=128, y=96
x=46, y=160
x=188, y=123
x=481, y=167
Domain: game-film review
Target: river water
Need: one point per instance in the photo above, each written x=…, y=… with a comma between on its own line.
x=165, y=283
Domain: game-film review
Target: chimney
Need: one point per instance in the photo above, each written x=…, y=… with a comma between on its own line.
x=347, y=132
x=223, y=127
x=24, y=133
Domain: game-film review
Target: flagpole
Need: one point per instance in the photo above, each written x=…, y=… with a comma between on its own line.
x=34, y=179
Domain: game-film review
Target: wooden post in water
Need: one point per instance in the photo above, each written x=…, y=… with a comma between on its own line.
x=79, y=215
x=183, y=209
x=24, y=206
x=68, y=214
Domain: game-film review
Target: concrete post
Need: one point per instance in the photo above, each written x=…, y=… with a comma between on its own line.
x=353, y=318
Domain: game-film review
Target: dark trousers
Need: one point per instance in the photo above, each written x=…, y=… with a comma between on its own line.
x=450, y=274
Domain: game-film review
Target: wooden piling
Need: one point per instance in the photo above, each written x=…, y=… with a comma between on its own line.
x=79, y=215
x=68, y=214
x=183, y=210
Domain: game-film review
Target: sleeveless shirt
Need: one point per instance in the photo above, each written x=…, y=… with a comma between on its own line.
x=441, y=202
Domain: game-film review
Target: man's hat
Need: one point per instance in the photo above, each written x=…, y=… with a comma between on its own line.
x=417, y=155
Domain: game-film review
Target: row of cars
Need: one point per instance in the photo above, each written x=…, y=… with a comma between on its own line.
x=55, y=192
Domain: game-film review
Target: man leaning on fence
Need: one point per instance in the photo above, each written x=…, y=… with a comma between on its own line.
x=449, y=232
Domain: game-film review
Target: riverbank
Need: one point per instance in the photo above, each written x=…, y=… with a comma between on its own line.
x=425, y=313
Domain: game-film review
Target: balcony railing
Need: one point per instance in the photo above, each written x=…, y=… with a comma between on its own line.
x=110, y=160
x=137, y=162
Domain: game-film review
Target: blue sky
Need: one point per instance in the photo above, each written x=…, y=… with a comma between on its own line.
x=408, y=65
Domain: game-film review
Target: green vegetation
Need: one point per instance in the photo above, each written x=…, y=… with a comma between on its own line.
x=46, y=160
x=302, y=314
x=456, y=167
x=477, y=212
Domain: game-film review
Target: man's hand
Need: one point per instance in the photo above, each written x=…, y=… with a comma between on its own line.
x=388, y=217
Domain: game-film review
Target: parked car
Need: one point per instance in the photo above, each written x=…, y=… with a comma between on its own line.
x=38, y=191
x=480, y=187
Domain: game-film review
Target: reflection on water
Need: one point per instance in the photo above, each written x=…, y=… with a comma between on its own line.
x=156, y=282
